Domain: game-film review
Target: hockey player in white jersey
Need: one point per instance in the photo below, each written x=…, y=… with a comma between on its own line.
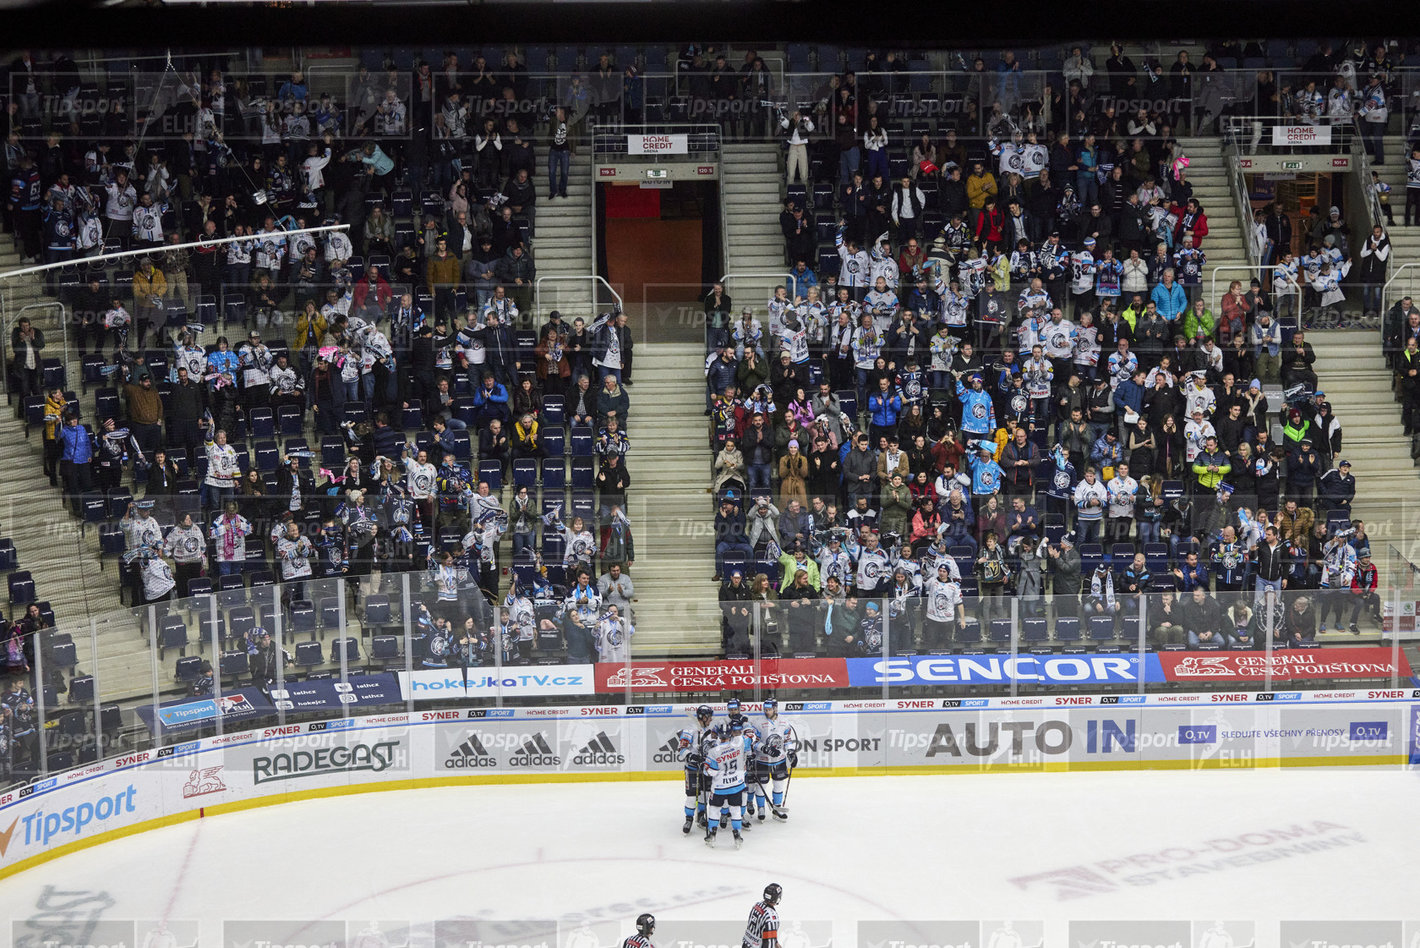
x=762, y=929
x=775, y=755
x=693, y=743
x=726, y=764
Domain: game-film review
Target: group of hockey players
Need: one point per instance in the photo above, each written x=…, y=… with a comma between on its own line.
x=736, y=770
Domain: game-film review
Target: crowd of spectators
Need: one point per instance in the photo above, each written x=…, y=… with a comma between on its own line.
x=1007, y=368
x=347, y=405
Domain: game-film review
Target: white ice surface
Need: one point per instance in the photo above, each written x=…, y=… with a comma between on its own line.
x=912, y=848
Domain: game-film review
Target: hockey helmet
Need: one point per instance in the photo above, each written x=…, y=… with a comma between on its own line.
x=771, y=708
x=773, y=893
x=645, y=923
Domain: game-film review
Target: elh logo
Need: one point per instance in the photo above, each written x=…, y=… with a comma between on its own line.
x=535, y=752
x=600, y=752
x=471, y=753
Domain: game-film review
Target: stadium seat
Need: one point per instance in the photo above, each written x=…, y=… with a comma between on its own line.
x=999, y=631
x=9, y=559
x=525, y=472
x=554, y=474
x=309, y=655
x=583, y=476
x=553, y=410
x=582, y=439
x=554, y=441
x=22, y=588
x=349, y=647
x=1100, y=628
x=1121, y=555
x=233, y=664
x=1067, y=629
x=187, y=669
x=302, y=618
x=1034, y=630
x=492, y=472
x=172, y=634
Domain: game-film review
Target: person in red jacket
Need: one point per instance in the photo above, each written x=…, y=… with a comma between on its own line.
x=1363, y=591
x=991, y=225
x=1189, y=219
x=361, y=303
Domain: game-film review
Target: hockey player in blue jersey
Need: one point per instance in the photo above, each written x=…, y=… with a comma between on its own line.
x=775, y=754
x=726, y=765
x=692, y=745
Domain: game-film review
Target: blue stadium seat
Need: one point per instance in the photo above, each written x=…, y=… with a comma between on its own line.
x=1100, y=628
x=554, y=474
x=525, y=472
x=309, y=655
x=554, y=441
x=581, y=441
x=492, y=472
x=553, y=410
x=1067, y=629
x=582, y=473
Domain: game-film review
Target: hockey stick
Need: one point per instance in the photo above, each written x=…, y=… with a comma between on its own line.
x=769, y=796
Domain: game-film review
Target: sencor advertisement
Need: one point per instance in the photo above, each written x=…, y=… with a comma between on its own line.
x=1048, y=732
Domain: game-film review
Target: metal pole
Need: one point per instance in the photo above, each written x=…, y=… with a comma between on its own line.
x=153, y=662
x=216, y=655
x=98, y=703
x=41, y=745
x=1142, y=652
x=408, y=647
x=497, y=641
x=116, y=255
x=281, y=653
x=344, y=667
x=1015, y=644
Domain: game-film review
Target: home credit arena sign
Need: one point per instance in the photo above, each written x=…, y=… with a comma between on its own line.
x=1301, y=134
x=657, y=144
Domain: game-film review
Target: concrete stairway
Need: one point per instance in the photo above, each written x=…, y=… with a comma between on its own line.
x=671, y=506
x=1352, y=372
x=1404, y=241
x=1225, y=244
x=563, y=247
x=63, y=560
x=751, y=190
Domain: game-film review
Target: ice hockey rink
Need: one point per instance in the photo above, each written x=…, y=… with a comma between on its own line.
x=1098, y=860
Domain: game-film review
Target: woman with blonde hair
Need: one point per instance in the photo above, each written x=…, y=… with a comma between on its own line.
x=793, y=475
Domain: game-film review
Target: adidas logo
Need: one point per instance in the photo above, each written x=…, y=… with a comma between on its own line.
x=668, y=753
x=535, y=752
x=471, y=753
x=600, y=751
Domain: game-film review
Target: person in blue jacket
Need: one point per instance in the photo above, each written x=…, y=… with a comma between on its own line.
x=978, y=414
x=884, y=407
x=986, y=474
x=490, y=400
x=1169, y=297
x=76, y=445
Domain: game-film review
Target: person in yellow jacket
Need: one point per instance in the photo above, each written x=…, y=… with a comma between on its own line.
x=1211, y=465
x=311, y=326
x=792, y=562
x=54, y=404
x=150, y=289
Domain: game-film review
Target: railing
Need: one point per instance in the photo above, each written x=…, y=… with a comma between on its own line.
x=1402, y=283
x=1242, y=202
x=593, y=278
x=702, y=141
x=1253, y=135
